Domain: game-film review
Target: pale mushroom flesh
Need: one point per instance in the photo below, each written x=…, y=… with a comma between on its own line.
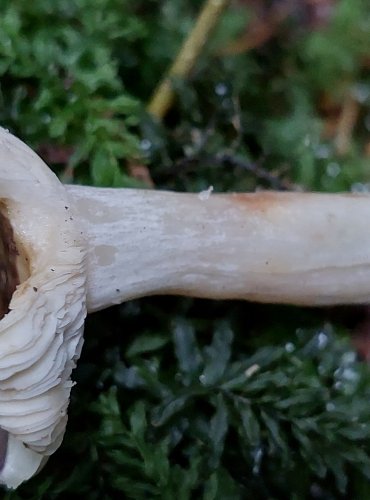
x=43, y=309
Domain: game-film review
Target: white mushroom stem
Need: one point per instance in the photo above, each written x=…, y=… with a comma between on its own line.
x=309, y=249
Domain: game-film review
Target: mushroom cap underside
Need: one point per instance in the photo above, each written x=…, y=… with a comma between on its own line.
x=41, y=328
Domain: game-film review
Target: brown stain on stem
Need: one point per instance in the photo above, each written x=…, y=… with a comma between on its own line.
x=9, y=278
x=263, y=201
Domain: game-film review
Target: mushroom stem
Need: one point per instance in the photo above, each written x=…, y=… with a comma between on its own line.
x=304, y=249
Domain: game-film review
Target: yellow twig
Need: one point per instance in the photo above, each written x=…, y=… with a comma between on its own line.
x=163, y=95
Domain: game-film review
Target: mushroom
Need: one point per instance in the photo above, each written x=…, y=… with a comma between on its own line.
x=68, y=250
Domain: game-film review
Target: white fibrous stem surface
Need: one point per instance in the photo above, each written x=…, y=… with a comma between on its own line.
x=41, y=335
x=307, y=249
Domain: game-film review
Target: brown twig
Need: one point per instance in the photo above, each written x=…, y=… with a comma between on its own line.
x=346, y=124
x=262, y=29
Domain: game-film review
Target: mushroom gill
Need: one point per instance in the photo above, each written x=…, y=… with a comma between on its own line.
x=13, y=270
x=9, y=279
